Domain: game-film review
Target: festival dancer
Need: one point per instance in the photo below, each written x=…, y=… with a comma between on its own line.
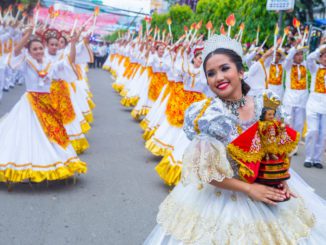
x=62, y=97
x=33, y=140
x=296, y=88
x=274, y=70
x=212, y=205
x=316, y=111
x=169, y=169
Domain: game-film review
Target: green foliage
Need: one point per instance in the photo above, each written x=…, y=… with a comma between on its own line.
x=180, y=15
x=252, y=12
x=32, y=2
x=115, y=35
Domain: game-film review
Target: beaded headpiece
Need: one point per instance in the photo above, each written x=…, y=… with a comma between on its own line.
x=51, y=33
x=222, y=41
x=272, y=102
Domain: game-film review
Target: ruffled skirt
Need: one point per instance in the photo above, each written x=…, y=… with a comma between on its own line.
x=34, y=146
x=191, y=215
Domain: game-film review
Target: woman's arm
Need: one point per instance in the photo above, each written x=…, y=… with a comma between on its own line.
x=23, y=41
x=256, y=191
x=73, y=42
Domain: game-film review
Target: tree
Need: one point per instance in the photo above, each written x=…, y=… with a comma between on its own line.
x=304, y=8
x=115, y=35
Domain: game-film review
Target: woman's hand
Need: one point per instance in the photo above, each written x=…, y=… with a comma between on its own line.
x=266, y=194
x=288, y=193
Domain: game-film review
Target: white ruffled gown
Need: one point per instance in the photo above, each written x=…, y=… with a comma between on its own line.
x=196, y=212
x=28, y=150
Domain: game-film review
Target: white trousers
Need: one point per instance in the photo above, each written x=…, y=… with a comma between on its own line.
x=316, y=137
x=2, y=81
x=297, y=117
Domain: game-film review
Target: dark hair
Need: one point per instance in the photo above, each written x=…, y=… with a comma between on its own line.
x=66, y=41
x=158, y=46
x=236, y=59
x=195, y=56
x=263, y=113
x=29, y=44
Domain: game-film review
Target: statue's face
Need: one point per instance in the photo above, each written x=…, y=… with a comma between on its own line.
x=269, y=116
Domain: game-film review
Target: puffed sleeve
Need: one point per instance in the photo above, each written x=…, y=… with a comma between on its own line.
x=65, y=70
x=192, y=113
x=205, y=158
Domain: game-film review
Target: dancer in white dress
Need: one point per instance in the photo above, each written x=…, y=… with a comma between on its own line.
x=212, y=205
x=33, y=141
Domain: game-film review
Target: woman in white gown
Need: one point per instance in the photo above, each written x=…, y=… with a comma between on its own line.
x=212, y=205
x=33, y=141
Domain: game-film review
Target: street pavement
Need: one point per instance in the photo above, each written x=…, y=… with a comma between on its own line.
x=116, y=201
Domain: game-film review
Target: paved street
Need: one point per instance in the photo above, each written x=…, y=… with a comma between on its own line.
x=115, y=202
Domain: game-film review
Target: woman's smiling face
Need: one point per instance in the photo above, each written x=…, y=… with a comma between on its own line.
x=223, y=77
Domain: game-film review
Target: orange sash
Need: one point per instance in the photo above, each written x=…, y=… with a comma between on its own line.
x=320, y=86
x=275, y=79
x=296, y=83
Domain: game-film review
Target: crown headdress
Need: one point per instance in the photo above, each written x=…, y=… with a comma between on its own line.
x=222, y=41
x=51, y=33
x=272, y=102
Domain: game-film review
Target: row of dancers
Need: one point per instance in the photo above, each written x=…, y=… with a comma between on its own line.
x=43, y=134
x=192, y=100
x=160, y=81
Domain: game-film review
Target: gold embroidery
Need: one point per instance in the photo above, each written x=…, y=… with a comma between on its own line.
x=201, y=113
x=49, y=118
x=60, y=97
x=156, y=85
x=320, y=86
x=275, y=79
x=178, y=103
x=42, y=73
x=296, y=83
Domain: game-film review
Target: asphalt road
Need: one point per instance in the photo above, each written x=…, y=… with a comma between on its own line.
x=115, y=202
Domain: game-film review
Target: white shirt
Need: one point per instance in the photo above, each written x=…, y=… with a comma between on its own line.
x=294, y=97
x=317, y=101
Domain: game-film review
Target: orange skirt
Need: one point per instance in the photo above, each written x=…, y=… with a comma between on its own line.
x=49, y=118
x=178, y=103
x=60, y=96
x=157, y=83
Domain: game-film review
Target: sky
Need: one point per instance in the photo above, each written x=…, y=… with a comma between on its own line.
x=133, y=5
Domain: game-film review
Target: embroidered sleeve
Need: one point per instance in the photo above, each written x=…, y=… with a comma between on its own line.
x=205, y=160
x=192, y=115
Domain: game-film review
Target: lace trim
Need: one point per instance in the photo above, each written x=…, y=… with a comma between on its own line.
x=204, y=161
x=187, y=225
